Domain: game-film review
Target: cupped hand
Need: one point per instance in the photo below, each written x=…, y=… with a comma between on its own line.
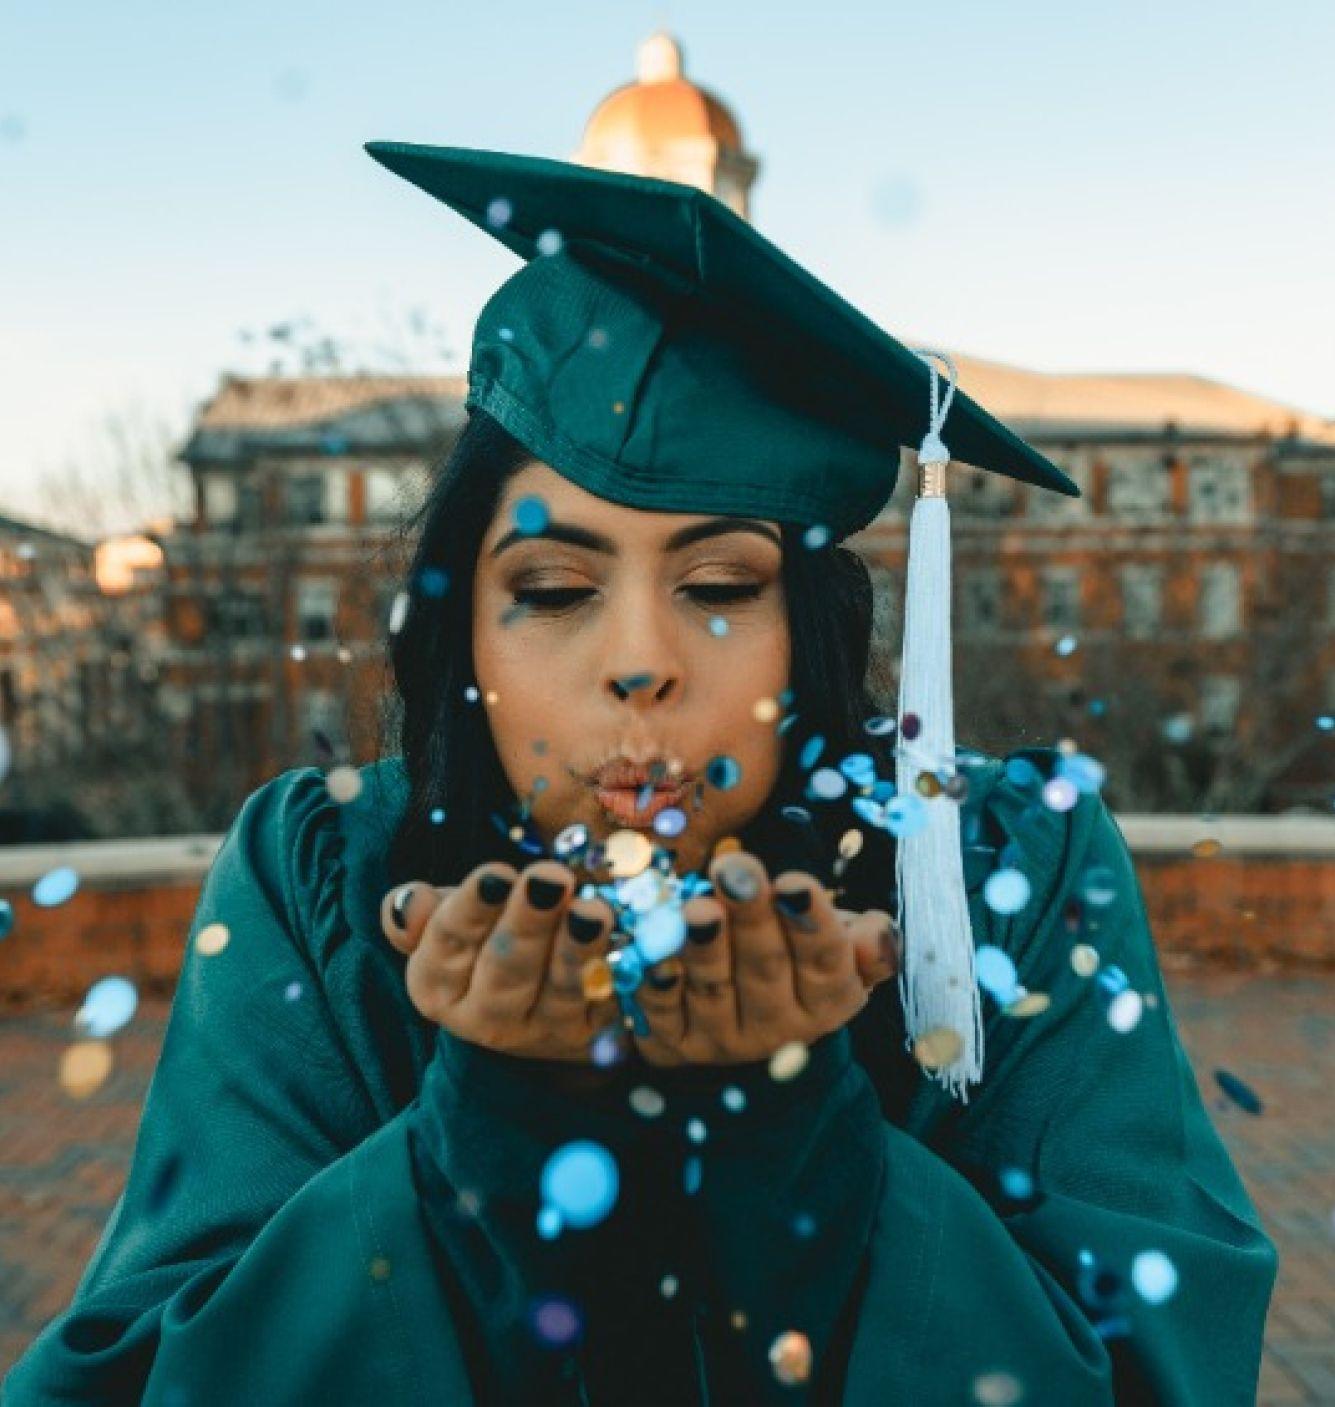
x=496, y=961
x=766, y=977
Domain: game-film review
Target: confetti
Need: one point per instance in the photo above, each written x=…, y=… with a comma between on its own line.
x=1006, y=891
x=1239, y=1092
x=937, y=1048
x=344, y=784
x=997, y=1389
x=790, y=1357
x=55, y=887
x=555, y=1321
x=788, y=1061
x=499, y=212
x=1085, y=960
x=646, y=1102
x=580, y=1183
x=212, y=939
x=628, y=853
x=84, y=1068
x=6, y=918
x=109, y=1006
x=1154, y=1276
x=723, y=772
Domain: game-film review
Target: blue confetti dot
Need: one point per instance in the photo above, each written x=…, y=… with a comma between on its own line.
x=1239, y=1092
x=723, y=772
x=811, y=751
x=438, y=816
x=905, y=815
x=433, y=582
x=670, y=822
x=996, y=974
x=1154, y=1276
x=6, y=918
x=109, y=1005
x=55, y=887
x=718, y=626
x=660, y=933
x=816, y=537
x=530, y=516
x=1006, y=891
x=580, y=1182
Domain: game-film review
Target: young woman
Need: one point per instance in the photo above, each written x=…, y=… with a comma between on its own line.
x=559, y=1064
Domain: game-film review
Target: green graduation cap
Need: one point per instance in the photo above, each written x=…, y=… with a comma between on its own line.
x=659, y=352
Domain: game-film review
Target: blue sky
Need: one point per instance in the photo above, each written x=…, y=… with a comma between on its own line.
x=1130, y=187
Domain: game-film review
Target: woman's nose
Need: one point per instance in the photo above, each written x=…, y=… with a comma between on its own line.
x=646, y=687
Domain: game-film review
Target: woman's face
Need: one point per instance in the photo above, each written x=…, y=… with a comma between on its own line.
x=629, y=660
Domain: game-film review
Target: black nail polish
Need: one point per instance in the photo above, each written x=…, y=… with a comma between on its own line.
x=704, y=932
x=492, y=888
x=583, y=929
x=738, y=883
x=662, y=981
x=793, y=901
x=544, y=893
x=398, y=908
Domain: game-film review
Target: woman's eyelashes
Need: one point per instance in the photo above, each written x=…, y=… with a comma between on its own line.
x=539, y=599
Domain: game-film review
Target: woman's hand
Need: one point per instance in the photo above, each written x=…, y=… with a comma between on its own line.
x=495, y=967
x=766, y=977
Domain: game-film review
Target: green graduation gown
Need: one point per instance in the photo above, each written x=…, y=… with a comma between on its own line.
x=332, y=1201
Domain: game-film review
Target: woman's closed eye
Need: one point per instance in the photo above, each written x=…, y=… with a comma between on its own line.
x=711, y=594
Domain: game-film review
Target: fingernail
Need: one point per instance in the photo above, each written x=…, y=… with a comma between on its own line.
x=661, y=981
x=892, y=946
x=492, y=888
x=704, y=932
x=793, y=901
x=583, y=929
x=738, y=882
x=544, y=893
x=399, y=906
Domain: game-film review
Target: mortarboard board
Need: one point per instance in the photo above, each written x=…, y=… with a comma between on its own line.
x=660, y=352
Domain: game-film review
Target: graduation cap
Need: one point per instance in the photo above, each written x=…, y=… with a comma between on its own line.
x=660, y=352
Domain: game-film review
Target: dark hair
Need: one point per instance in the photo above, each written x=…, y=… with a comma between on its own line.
x=448, y=752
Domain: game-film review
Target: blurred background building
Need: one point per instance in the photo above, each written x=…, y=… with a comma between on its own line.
x=1178, y=619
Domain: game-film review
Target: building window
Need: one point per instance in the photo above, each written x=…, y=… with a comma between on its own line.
x=306, y=499
x=1220, y=696
x=1137, y=490
x=1218, y=492
x=317, y=605
x=1142, y=599
x=1220, y=601
x=1049, y=506
x=239, y=615
x=320, y=715
x=980, y=600
x=384, y=495
x=1061, y=598
x=978, y=494
x=219, y=499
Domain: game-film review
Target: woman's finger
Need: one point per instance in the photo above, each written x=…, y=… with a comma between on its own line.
x=512, y=966
x=708, y=1014
x=823, y=954
x=762, y=963
x=405, y=910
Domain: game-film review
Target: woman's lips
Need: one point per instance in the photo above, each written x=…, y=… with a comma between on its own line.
x=620, y=802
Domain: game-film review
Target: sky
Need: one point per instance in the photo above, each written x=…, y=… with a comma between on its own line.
x=1139, y=187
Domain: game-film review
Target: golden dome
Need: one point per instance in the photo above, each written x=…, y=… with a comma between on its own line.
x=660, y=106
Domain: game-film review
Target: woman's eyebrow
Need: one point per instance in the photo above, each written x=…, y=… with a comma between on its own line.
x=596, y=542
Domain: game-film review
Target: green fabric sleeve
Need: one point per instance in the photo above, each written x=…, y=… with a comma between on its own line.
x=268, y=1246
x=971, y=1282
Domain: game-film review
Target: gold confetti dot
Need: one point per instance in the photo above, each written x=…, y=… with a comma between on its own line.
x=212, y=939
x=765, y=710
x=790, y=1357
x=937, y=1047
x=1206, y=848
x=727, y=845
x=1031, y=1004
x=789, y=1061
x=1085, y=960
x=84, y=1068
x=344, y=784
x=380, y=1268
x=596, y=980
x=629, y=853
x=492, y=696
x=850, y=844
x=738, y=1320
x=669, y=1286
x=928, y=784
x=618, y=407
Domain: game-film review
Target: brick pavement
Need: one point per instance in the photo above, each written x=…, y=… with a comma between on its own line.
x=63, y=1162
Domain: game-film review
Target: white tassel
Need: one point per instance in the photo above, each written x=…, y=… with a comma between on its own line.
x=937, y=984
